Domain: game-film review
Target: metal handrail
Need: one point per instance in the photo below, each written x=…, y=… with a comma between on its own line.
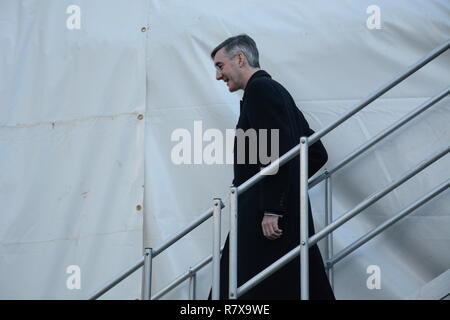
x=193, y=270
x=234, y=291
x=337, y=223
x=423, y=107
x=378, y=195
x=182, y=278
x=205, y=216
x=270, y=169
x=123, y=275
x=301, y=149
x=329, y=250
x=311, y=182
x=358, y=243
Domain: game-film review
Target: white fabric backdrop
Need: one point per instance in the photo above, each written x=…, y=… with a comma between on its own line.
x=329, y=60
x=72, y=147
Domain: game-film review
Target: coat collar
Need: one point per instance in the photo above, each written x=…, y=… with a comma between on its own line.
x=257, y=74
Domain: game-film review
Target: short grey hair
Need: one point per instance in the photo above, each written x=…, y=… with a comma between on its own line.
x=240, y=43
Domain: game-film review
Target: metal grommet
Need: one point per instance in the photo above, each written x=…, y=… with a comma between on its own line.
x=138, y=207
x=143, y=29
x=140, y=117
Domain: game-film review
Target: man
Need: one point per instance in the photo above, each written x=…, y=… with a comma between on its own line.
x=268, y=213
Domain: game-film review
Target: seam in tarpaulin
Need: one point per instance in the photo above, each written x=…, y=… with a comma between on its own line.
x=64, y=122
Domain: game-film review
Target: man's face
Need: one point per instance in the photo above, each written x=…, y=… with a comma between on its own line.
x=228, y=70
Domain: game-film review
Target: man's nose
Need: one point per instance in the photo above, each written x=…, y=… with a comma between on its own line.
x=218, y=75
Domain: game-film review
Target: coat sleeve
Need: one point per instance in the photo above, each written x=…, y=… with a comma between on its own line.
x=264, y=109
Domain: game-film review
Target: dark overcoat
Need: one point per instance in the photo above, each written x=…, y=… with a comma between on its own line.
x=266, y=104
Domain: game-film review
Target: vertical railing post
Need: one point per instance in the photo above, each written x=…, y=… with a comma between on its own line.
x=192, y=284
x=304, y=230
x=147, y=274
x=217, y=209
x=233, y=243
x=328, y=220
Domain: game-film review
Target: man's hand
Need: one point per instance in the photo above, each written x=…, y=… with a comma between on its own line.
x=270, y=227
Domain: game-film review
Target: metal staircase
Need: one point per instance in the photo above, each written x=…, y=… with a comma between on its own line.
x=305, y=184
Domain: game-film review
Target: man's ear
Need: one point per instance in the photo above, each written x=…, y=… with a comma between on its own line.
x=241, y=59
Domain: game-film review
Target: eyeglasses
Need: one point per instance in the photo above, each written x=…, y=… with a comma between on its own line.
x=219, y=67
